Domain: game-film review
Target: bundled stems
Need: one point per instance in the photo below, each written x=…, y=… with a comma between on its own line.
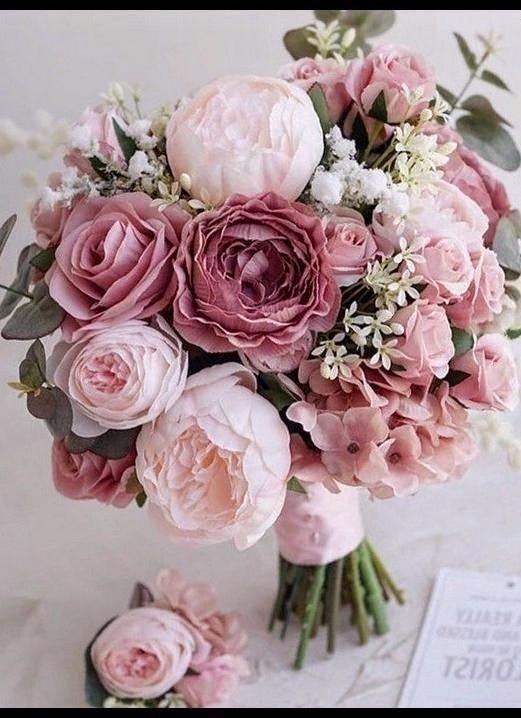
x=316, y=594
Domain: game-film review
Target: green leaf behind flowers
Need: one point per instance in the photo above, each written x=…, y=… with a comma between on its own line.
x=295, y=485
x=378, y=110
x=127, y=144
x=34, y=319
x=513, y=333
x=506, y=243
x=44, y=259
x=317, y=97
x=490, y=140
x=297, y=44
x=21, y=283
x=95, y=693
x=113, y=444
x=469, y=57
x=493, y=79
x=481, y=107
x=463, y=341
x=5, y=231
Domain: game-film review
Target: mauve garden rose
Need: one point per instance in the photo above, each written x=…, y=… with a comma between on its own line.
x=215, y=682
x=143, y=653
x=425, y=347
x=329, y=74
x=492, y=381
x=89, y=476
x=484, y=297
x=350, y=245
x=253, y=276
x=214, y=467
x=466, y=171
x=114, y=262
x=120, y=377
x=248, y=135
x=388, y=69
x=48, y=222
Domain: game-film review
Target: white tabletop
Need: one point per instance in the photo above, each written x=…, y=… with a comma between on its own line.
x=66, y=567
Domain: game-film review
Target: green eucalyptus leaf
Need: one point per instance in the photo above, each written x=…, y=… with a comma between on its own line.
x=326, y=16
x=513, y=333
x=378, y=110
x=44, y=259
x=37, y=318
x=42, y=404
x=272, y=390
x=141, y=499
x=317, y=97
x=481, y=107
x=53, y=406
x=5, y=231
x=297, y=44
x=141, y=596
x=78, y=444
x=295, y=485
x=506, y=245
x=455, y=377
x=468, y=55
x=493, y=79
x=95, y=693
x=514, y=217
x=463, y=341
x=447, y=95
x=127, y=144
x=115, y=444
x=368, y=23
x=36, y=354
x=99, y=167
x=490, y=140
x=30, y=374
x=22, y=282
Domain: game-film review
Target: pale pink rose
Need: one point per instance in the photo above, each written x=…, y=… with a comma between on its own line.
x=447, y=269
x=466, y=171
x=94, y=135
x=388, y=69
x=216, y=683
x=48, y=222
x=446, y=212
x=307, y=465
x=114, y=262
x=224, y=633
x=143, y=653
x=425, y=348
x=245, y=135
x=196, y=602
x=329, y=74
x=121, y=377
x=253, y=276
x=405, y=467
x=493, y=381
x=319, y=527
x=350, y=245
x=214, y=467
x=89, y=476
x=484, y=297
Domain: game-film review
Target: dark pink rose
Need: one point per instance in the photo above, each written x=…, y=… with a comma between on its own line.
x=89, y=476
x=114, y=262
x=48, y=222
x=253, y=276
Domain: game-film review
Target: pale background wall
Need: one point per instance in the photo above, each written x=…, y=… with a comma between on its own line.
x=65, y=567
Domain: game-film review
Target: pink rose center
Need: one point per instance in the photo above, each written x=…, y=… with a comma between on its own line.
x=108, y=373
x=135, y=663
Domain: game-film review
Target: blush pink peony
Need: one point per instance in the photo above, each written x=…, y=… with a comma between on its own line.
x=253, y=276
x=350, y=245
x=215, y=683
x=245, y=135
x=215, y=466
x=89, y=476
x=114, y=262
x=492, y=381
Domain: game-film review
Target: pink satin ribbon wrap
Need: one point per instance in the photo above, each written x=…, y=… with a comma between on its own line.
x=319, y=527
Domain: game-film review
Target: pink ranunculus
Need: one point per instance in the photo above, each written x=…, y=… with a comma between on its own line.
x=484, y=297
x=493, y=381
x=114, y=262
x=446, y=268
x=253, y=276
x=329, y=74
x=89, y=476
x=395, y=71
x=466, y=171
x=216, y=682
x=214, y=467
x=245, y=135
x=94, y=135
x=350, y=245
x=48, y=222
x=425, y=348
x=121, y=377
x=143, y=653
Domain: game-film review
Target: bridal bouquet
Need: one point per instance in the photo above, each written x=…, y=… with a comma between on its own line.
x=283, y=291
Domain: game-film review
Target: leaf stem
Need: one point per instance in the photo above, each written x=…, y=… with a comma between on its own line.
x=384, y=576
x=469, y=82
x=16, y=291
x=310, y=613
x=374, y=598
x=333, y=597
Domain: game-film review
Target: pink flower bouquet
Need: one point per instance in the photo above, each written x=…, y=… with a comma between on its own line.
x=285, y=291
x=176, y=650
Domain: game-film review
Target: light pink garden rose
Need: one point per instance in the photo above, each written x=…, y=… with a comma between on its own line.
x=253, y=276
x=143, y=653
x=466, y=171
x=329, y=74
x=350, y=245
x=89, y=476
x=388, y=69
x=493, y=381
x=425, y=348
x=216, y=682
x=114, y=262
x=94, y=135
x=484, y=297
x=245, y=135
x=447, y=269
x=121, y=377
x=48, y=222
x=214, y=467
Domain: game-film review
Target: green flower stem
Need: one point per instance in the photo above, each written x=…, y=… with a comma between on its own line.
x=277, y=606
x=308, y=621
x=292, y=597
x=333, y=597
x=374, y=599
x=16, y=291
x=471, y=79
x=384, y=576
x=357, y=597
